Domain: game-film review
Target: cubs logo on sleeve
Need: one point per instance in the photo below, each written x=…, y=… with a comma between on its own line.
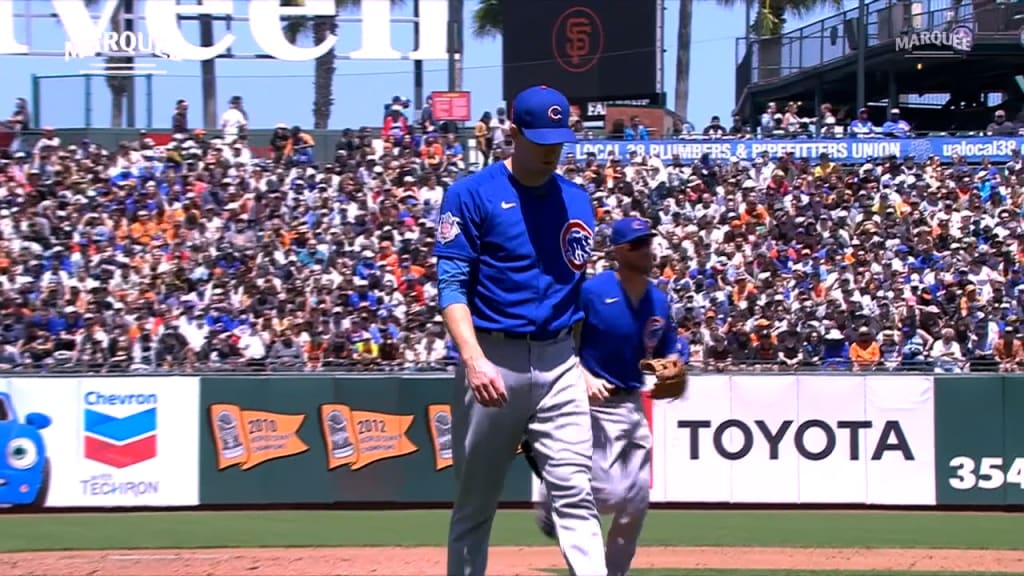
x=577, y=245
x=653, y=331
x=447, y=228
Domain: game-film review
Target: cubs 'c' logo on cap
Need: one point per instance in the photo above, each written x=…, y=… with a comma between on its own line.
x=555, y=113
x=577, y=245
x=653, y=330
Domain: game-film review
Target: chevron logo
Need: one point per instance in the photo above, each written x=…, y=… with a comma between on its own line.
x=120, y=442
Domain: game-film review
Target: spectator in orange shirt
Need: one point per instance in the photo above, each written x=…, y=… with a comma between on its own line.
x=754, y=212
x=432, y=152
x=143, y=229
x=865, y=353
x=1009, y=351
x=408, y=276
x=388, y=258
x=744, y=288
x=430, y=144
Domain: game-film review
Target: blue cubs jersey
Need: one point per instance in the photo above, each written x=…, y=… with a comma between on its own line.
x=527, y=248
x=616, y=334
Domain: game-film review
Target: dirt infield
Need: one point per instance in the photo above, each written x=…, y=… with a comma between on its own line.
x=504, y=561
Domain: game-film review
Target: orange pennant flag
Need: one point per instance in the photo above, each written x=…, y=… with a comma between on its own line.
x=381, y=436
x=252, y=437
x=439, y=420
x=360, y=438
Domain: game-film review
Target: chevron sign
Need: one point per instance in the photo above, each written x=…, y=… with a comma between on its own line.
x=120, y=441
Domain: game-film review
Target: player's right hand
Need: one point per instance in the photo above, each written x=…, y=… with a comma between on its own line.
x=598, y=389
x=485, y=381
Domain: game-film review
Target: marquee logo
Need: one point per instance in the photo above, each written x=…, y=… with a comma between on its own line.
x=960, y=39
x=127, y=45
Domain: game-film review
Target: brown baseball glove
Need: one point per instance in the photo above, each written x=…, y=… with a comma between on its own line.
x=670, y=377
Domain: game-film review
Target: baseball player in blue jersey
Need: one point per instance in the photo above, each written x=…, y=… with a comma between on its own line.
x=513, y=244
x=626, y=320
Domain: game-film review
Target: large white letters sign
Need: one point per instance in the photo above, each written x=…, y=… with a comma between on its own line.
x=86, y=37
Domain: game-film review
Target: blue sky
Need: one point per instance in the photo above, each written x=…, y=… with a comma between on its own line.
x=283, y=91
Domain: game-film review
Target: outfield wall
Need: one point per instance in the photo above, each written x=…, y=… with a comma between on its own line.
x=179, y=441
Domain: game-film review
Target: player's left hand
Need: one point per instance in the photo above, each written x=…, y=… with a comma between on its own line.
x=670, y=377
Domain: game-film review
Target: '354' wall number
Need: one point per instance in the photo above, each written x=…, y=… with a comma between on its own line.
x=986, y=474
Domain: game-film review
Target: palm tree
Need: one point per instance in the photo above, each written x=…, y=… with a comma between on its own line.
x=683, y=40
x=320, y=27
x=118, y=84
x=208, y=74
x=770, y=19
x=457, y=6
x=487, y=21
x=769, y=23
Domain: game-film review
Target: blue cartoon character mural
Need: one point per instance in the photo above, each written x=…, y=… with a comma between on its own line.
x=24, y=466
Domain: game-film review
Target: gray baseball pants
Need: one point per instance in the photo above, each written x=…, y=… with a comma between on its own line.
x=621, y=475
x=547, y=401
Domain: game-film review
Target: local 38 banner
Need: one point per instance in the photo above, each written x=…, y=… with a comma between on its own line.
x=99, y=442
x=843, y=150
x=795, y=439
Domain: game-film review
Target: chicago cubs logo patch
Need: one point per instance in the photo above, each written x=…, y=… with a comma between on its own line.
x=447, y=228
x=653, y=331
x=577, y=245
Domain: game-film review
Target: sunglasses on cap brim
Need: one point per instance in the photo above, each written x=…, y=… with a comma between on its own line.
x=639, y=243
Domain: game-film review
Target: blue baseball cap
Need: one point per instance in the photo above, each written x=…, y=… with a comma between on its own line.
x=542, y=115
x=627, y=230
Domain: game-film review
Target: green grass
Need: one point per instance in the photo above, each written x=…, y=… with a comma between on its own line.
x=705, y=572
x=429, y=528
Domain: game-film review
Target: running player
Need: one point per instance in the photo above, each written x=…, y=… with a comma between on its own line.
x=627, y=319
x=513, y=244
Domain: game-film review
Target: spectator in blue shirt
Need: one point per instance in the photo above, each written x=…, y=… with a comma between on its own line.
x=683, y=346
x=362, y=297
x=635, y=130
x=367, y=265
x=862, y=127
x=896, y=127
x=836, y=351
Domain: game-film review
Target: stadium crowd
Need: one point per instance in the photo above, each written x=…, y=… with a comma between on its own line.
x=195, y=256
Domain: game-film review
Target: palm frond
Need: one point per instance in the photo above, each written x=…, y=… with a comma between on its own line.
x=487, y=19
x=770, y=19
x=297, y=27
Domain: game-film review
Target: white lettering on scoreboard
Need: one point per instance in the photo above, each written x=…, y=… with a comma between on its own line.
x=87, y=37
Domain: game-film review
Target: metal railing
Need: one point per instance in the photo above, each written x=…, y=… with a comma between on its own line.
x=706, y=365
x=228, y=366
x=835, y=37
x=983, y=365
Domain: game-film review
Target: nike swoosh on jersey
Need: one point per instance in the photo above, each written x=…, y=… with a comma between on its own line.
x=610, y=300
x=507, y=205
